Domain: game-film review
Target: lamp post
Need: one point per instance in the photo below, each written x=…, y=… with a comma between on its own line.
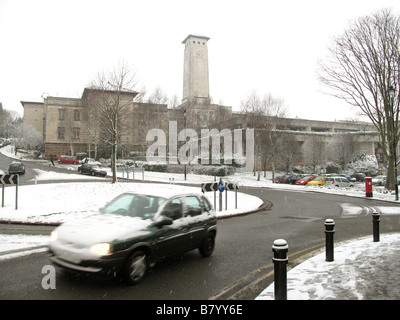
x=391, y=95
x=184, y=123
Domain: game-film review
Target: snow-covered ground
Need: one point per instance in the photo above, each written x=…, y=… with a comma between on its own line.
x=345, y=278
x=361, y=270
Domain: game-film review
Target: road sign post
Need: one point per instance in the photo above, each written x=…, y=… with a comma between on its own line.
x=232, y=186
x=9, y=179
x=221, y=189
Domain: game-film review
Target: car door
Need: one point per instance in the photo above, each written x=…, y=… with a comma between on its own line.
x=172, y=239
x=344, y=183
x=197, y=220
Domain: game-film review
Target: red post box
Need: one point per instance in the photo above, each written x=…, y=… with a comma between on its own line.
x=368, y=187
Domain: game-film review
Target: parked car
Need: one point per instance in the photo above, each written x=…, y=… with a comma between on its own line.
x=89, y=160
x=133, y=232
x=305, y=180
x=359, y=176
x=285, y=178
x=16, y=167
x=351, y=178
x=68, y=160
x=294, y=178
x=318, y=181
x=379, y=180
x=340, y=182
x=92, y=169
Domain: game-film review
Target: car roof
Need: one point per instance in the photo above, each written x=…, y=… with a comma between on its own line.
x=166, y=193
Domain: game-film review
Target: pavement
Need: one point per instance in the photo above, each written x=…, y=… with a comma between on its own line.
x=362, y=270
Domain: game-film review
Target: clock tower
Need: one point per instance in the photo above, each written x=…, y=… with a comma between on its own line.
x=195, y=70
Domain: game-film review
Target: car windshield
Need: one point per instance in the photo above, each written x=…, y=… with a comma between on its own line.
x=134, y=205
x=96, y=166
x=15, y=165
x=318, y=178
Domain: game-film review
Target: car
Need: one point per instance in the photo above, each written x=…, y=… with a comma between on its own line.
x=340, y=182
x=92, y=169
x=379, y=180
x=359, y=176
x=89, y=160
x=285, y=178
x=16, y=167
x=305, y=180
x=294, y=178
x=67, y=160
x=351, y=178
x=133, y=232
x=318, y=181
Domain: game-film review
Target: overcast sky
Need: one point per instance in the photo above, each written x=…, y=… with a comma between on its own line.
x=57, y=47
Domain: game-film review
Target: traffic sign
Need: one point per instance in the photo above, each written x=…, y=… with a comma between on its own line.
x=221, y=186
x=9, y=179
x=212, y=186
x=231, y=186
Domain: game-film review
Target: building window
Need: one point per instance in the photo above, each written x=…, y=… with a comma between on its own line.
x=61, y=114
x=61, y=132
x=75, y=132
x=77, y=116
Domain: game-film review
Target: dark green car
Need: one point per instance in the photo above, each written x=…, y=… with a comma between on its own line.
x=133, y=232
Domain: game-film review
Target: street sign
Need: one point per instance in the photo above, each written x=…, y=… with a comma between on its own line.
x=231, y=186
x=212, y=186
x=221, y=186
x=9, y=179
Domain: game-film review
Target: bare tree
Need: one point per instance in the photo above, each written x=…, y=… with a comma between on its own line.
x=25, y=136
x=314, y=151
x=7, y=119
x=108, y=107
x=363, y=64
x=264, y=114
x=341, y=148
x=288, y=151
x=157, y=97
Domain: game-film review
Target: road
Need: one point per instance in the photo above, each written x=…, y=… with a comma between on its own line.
x=240, y=267
x=44, y=165
x=237, y=269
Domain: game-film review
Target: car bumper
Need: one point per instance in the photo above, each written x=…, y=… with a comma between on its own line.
x=100, y=266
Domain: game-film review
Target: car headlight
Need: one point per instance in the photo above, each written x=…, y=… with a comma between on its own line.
x=101, y=248
x=53, y=235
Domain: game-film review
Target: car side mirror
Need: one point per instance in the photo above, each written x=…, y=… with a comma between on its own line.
x=164, y=221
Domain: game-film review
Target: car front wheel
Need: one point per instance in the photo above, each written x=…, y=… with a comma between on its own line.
x=136, y=267
x=208, y=244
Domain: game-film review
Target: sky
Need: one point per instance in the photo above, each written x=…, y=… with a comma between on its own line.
x=56, y=48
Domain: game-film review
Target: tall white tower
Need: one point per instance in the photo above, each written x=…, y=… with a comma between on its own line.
x=195, y=70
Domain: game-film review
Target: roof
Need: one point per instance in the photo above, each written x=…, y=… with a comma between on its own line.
x=111, y=92
x=166, y=193
x=195, y=36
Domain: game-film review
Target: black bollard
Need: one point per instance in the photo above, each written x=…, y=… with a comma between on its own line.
x=375, y=225
x=329, y=233
x=280, y=260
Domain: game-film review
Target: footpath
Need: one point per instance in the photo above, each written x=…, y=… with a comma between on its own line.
x=361, y=270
